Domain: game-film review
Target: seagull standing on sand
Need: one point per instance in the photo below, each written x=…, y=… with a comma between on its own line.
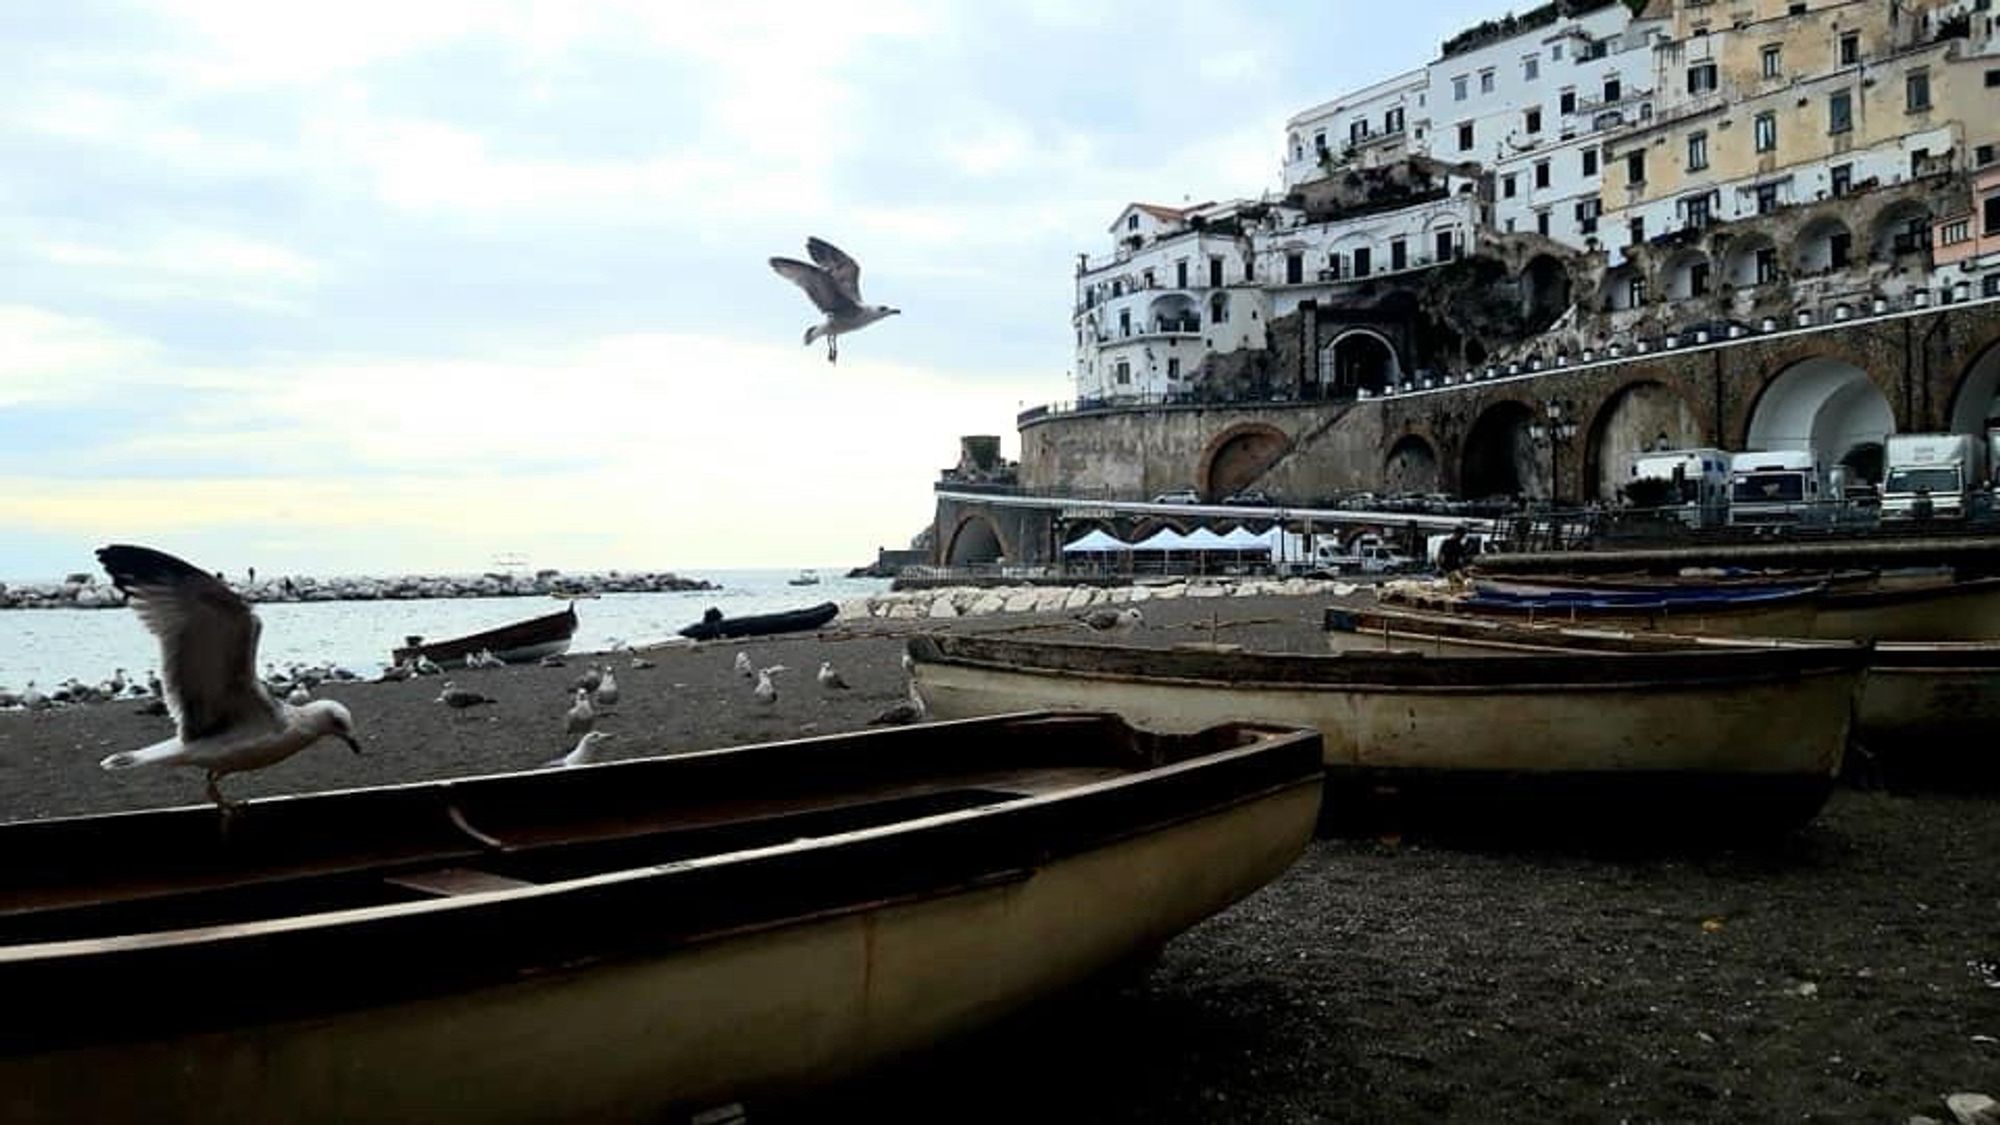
x=830, y=679
x=586, y=749
x=766, y=691
x=226, y=721
x=458, y=698
x=581, y=717
x=743, y=666
x=833, y=281
x=607, y=689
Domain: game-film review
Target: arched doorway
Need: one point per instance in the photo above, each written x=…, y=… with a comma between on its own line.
x=1752, y=260
x=1902, y=230
x=1687, y=276
x=1826, y=405
x=1825, y=244
x=1358, y=359
x=1239, y=456
x=1624, y=288
x=1978, y=399
x=1412, y=466
x=1499, y=457
x=974, y=542
x=1639, y=418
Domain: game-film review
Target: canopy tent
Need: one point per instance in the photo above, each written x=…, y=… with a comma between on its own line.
x=1097, y=542
x=1202, y=539
x=1244, y=539
x=1165, y=539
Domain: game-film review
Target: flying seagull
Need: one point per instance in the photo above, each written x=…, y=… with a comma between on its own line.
x=225, y=718
x=833, y=281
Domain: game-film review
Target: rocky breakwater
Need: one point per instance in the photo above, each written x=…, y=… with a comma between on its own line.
x=87, y=591
x=981, y=601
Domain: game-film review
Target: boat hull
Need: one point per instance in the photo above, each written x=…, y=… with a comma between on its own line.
x=764, y=624
x=663, y=989
x=1781, y=732
x=518, y=643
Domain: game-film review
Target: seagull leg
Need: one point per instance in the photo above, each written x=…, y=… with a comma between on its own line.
x=229, y=808
x=832, y=348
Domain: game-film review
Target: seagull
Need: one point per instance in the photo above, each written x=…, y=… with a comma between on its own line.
x=830, y=679
x=459, y=698
x=607, y=689
x=581, y=717
x=640, y=662
x=909, y=662
x=586, y=749
x=766, y=691
x=590, y=679
x=33, y=699
x=1113, y=620
x=833, y=281
x=910, y=710
x=743, y=667
x=153, y=687
x=226, y=721
x=428, y=667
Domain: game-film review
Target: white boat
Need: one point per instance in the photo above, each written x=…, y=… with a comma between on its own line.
x=804, y=578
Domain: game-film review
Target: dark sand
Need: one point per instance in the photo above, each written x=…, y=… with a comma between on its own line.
x=1848, y=973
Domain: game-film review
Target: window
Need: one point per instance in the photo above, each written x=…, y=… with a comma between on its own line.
x=1992, y=78
x=1399, y=255
x=1698, y=279
x=1146, y=280
x=1982, y=155
x=1556, y=52
x=1541, y=173
x=1612, y=89
x=1363, y=262
x=1766, y=130
x=1215, y=272
x=1990, y=286
x=1542, y=223
x=1774, y=61
x=1840, y=111
x=1837, y=248
x=1447, y=246
x=1485, y=81
x=1392, y=121
x=1701, y=78
x=1218, y=309
x=1131, y=222
x=1917, y=91
x=1697, y=151
x=1767, y=264
x=1507, y=186
x=1295, y=268
x=1124, y=323
x=1357, y=131
x=1635, y=167
x=1842, y=178
x=1850, y=48
x=1332, y=266
x=1697, y=210
x=1958, y=230
x=1465, y=136
x=1590, y=162
x=1173, y=367
x=1531, y=68
x=1635, y=292
x=1458, y=88
x=1534, y=120
x=1566, y=101
x=1124, y=370
x=1636, y=230
x=1587, y=211
x=1181, y=274
x=1990, y=224
x=1767, y=198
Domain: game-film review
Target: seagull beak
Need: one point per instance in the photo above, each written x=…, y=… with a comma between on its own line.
x=353, y=743
x=895, y=312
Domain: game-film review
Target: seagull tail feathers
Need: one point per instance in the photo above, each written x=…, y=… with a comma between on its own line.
x=157, y=752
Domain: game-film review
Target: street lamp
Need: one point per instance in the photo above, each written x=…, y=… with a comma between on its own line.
x=1555, y=429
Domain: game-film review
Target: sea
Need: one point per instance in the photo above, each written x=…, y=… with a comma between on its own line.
x=51, y=645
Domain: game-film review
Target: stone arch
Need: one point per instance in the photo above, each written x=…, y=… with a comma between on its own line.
x=1411, y=466
x=1545, y=292
x=1642, y=415
x=1174, y=312
x=1238, y=455
x=1740, y=263
x=1821, y=403
x=1823, y=245
x=1618, y=291
x=1976, y=400
x=1499, y=457
x=1359, y=359
x=1901, y=229
x=1686, y=275
x=975, y=540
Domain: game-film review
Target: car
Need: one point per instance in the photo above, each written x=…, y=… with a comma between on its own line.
x=1255, y=497
x=1178, y=496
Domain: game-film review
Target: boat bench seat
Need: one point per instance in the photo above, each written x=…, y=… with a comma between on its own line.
x=446, y=882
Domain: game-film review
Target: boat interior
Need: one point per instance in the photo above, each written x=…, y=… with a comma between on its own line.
x=182, y=868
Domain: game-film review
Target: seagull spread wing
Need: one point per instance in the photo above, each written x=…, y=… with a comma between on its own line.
x=208, y=641
x=818, y=284
x=845, y=272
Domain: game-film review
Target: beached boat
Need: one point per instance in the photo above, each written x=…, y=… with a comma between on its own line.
x=1931, y=706
x=713, y=624
x=623, y=941
x=517, y=643
x=804, y=578
x=1742, y=739
x=1926, y=609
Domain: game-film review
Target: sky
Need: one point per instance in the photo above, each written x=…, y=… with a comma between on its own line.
x=376, y=288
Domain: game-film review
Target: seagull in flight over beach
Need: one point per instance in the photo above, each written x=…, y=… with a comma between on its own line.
x=226, y=720
x=833, y=281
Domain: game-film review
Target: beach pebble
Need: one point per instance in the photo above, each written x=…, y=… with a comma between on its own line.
x=1973, y=1109
x=943, y=607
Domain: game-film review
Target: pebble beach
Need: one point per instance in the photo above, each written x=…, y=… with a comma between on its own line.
x=1849, y=972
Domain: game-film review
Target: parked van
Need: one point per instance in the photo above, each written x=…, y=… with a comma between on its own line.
x=1694, y=483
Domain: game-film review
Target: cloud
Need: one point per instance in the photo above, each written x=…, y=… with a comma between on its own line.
x=50, y=357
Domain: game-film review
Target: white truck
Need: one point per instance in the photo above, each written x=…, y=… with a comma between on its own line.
x=1948, y=470
x=1370, y=554
x=1693, y=483
x=1777, y=488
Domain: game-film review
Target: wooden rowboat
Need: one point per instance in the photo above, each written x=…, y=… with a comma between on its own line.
x=1929, y=706
x=619, y=941
x=1745, y=739
x=517, y=643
